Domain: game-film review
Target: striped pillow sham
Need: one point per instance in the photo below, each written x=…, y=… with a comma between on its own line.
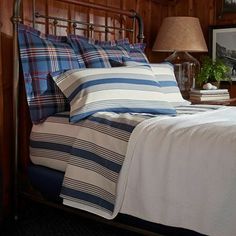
x=164, y=74
x=112, y=89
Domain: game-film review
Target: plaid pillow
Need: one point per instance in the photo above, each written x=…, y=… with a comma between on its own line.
x=137, y=53
x=128, y=61
x=97, y=54
x=41, y=54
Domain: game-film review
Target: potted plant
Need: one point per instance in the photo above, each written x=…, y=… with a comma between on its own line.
x=212, y=71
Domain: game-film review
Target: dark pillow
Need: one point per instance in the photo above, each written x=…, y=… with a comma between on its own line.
x=115, y=63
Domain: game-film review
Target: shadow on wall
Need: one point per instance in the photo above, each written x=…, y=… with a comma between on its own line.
x=6, y=124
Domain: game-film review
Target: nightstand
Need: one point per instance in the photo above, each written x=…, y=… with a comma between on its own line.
x=225, y=102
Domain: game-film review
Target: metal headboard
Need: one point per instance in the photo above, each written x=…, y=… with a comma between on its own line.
x=73, y=25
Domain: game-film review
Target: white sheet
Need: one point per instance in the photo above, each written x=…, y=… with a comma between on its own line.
x=181, y=171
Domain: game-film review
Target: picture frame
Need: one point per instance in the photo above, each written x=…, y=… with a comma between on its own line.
x=228, y=6
x=222, y=45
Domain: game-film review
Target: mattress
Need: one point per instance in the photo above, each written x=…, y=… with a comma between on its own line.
x=46, y=181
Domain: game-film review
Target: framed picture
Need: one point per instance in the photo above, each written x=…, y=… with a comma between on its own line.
x=228, y=6
x=222, y=45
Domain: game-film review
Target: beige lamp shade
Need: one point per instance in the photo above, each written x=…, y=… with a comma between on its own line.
x=180, y=34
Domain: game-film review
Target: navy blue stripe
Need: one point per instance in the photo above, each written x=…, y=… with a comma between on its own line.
x=168, y=83
x=111, y=81
x=77, y=152
x=114, y=124
x=97, y=159
x=50, y=146
x=88, y=198
x=61, y=115
x=81, y=116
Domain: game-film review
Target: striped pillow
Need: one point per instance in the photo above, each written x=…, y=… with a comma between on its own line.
x=112, y=89
x=164, y=73
x=41, y=54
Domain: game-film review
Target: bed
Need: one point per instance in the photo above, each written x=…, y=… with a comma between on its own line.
x=111, y=133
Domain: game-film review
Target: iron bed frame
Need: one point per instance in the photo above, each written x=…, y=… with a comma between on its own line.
x=73, y=25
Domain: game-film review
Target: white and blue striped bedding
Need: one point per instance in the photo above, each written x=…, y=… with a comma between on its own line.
x=91, y=153
x=164, y=74
x=113, y=89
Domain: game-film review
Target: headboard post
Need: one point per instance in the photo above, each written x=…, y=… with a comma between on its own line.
x=15, y=20
x=140, y=35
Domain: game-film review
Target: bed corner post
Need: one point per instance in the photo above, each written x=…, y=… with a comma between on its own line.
x=16, y=18
x=139, y=19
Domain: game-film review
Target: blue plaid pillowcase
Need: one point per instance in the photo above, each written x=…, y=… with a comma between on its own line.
x=97, y=54
x=137, y=53
x=128, y=61
x=40, y=55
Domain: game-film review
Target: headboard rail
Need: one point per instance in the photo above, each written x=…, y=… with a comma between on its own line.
x=136, y=26
x=90, y=26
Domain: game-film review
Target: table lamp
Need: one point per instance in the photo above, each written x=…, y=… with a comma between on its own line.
x=181, y=35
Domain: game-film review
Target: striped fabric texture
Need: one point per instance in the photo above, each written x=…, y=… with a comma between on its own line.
x=95, y=148
x=91, y=153
x=97, y=55
x=112, y=89
x=41, y=54
x=164, y=74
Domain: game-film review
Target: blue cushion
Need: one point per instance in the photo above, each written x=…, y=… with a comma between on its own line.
x=41, y=54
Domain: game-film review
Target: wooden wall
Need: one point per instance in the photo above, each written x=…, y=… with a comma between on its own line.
x=152, y=11
x=6, y=144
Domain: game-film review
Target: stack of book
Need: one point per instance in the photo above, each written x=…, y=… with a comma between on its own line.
x=209, y=95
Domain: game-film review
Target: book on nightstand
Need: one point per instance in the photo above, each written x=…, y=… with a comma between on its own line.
x=208, y=91
x=209, y=95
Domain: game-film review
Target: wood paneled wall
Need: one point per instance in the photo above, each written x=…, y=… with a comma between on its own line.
x=152, y=11
x=6, y=144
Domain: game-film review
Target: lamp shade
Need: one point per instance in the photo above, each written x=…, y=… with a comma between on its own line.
x=180, y=34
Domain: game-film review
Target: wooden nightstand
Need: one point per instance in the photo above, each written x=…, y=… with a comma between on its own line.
x=231, y=86
x=225, y=102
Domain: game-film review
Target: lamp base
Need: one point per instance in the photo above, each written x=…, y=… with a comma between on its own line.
x=186, y=68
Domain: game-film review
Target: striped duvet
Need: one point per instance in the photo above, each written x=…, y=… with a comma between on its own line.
x=91, y=153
